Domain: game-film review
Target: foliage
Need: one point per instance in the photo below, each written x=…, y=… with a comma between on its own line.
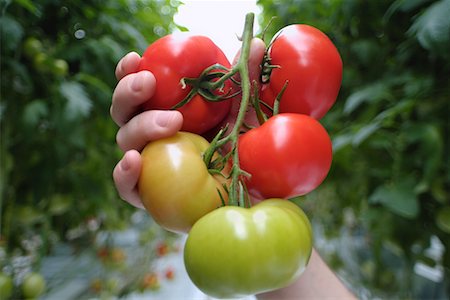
x=57, y=139
x=390, y=129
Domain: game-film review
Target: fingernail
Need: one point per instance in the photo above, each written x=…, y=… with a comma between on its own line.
x=125, y=164
x=163, y=119
x=137, y=83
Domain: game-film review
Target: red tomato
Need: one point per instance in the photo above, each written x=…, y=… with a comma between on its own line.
x=179, y=56
x=169, y=273
x=162, y=249
x=288, y=156
x=311, y=64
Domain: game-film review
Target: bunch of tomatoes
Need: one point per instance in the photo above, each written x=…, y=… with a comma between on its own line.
x=230, y=193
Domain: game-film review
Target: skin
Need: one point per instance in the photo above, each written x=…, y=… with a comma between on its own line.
x=137, y=129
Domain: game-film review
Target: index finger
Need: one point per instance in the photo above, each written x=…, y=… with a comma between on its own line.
x=127, y=65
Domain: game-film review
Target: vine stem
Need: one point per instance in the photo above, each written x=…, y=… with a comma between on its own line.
x=237, y=194
x=241, y=66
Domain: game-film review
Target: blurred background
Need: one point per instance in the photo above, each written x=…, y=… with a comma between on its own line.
x=381, y=218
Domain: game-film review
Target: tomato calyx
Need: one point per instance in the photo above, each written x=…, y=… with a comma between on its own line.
x=266, y=68
x=210, y=85
x=266, y=64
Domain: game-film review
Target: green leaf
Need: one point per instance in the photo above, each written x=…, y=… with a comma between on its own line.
x=432, y=28
x=34, y=111
x=430, y=142
x=443, y=219
x=341, y=141
x=28, y=5
x=11, y=33
x=370, y=94
x=365, y=132
x=135, y=34
x=95, y=82
x=398, y=197
x=78, y=102
x=403, y=6
x=116, y=51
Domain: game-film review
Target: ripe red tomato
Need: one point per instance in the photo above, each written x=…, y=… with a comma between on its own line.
x=179, y=56
x=288, y=156
x=311, y=64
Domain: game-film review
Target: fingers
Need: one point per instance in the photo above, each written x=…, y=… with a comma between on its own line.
x=131, y=138
x=131, y=91
x=127, y=65
x=257, y=49
x=126, y=175
x=148, y=126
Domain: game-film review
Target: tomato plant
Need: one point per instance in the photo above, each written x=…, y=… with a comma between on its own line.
x=179, y=56
x=175, y=185
x=305, y=58
x=234, y=251
x=288, y=156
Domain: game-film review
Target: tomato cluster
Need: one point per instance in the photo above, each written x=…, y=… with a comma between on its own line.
x=261, y=241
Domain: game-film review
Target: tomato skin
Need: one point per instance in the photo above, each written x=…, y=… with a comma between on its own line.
x=288, y=156
x=6, y=286
x=33, y=285
x=183, y=55
x=175, y=186
x=308, y=59
x=235, y=252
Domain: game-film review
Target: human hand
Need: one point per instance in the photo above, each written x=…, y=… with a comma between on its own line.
x=138, y=128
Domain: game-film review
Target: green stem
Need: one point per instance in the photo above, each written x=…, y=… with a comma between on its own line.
x=237, y=193
x=242, y=66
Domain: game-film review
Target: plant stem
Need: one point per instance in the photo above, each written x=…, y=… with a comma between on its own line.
x=237, y=194
x=242, y=67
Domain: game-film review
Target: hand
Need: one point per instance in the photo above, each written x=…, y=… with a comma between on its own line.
x=139, y=128
x=317, y=282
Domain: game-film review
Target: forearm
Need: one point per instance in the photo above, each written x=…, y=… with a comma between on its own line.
x=317, y=282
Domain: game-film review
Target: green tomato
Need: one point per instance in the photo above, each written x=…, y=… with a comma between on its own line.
x=32, y=46
x=59, y=67
x=6, y=286
x=235, y=252
x=41, y=62
x=33, y=285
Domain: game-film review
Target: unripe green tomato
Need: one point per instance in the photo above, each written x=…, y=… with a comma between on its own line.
x=6, y=286
x=32, y=46
x=33, y=285
x=41, y=62
x=235, y=252
x=59, y=67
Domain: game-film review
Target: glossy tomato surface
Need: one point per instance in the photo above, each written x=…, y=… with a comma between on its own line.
x=183, y=55
x=234, y=252
x=175, y=185
x=288, y=156
x=307, y=59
